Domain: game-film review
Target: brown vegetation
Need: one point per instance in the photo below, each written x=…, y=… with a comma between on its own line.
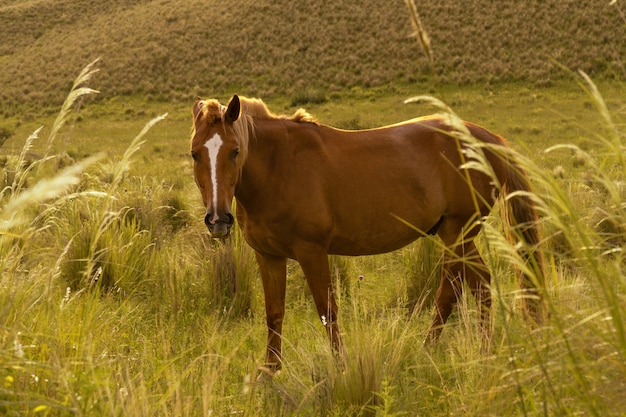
x=174, y=49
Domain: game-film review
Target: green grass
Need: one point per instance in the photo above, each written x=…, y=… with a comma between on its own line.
x=113, y=301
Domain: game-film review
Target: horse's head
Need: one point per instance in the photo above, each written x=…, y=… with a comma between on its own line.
x=215, y=148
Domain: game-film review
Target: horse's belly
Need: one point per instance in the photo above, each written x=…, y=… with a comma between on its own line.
x=374, y=239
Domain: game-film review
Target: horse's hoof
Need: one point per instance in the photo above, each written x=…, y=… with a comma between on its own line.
x=268, y=370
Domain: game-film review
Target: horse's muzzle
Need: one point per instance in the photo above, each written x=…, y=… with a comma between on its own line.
x=219, y=225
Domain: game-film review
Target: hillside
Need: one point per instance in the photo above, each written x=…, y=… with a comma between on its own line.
x=175, y=49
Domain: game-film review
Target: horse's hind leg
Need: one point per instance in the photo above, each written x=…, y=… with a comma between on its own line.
x=447, y=294
x=478, y=279
x=464, y=264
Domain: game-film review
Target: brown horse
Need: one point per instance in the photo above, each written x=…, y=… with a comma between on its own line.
x=305, y=190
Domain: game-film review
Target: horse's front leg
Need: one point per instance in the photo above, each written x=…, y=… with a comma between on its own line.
x=274, y=276
x=317, y=272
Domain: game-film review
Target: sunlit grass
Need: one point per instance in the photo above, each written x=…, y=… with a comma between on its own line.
x=161, y=331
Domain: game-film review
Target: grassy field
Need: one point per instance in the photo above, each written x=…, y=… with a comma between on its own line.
x=113, y=300
x=173, y=50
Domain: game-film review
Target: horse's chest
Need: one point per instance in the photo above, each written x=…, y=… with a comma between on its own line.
x=262, y=237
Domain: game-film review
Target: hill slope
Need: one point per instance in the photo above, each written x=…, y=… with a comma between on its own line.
x=175, y=49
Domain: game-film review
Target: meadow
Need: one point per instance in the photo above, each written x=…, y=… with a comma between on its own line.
x=114, y=301
x=172, y=50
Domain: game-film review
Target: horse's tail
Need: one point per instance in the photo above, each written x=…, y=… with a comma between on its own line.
x=523, y=218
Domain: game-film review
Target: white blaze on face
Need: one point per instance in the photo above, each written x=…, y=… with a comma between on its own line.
x=213, y=145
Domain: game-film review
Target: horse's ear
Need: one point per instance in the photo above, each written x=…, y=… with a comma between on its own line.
x=233, y=111
x=197, y=108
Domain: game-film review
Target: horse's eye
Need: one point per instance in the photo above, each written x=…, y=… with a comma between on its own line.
x=235, y=153
x=194, y=156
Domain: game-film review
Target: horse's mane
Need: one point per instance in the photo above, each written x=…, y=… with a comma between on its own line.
x=251, y=108
x=213, y=111
x=255, y=107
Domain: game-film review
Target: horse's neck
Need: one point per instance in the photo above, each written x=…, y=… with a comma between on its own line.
x=263, y=150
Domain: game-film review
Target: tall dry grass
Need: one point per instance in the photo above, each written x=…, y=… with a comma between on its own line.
x=101, y=281
x=161, y=331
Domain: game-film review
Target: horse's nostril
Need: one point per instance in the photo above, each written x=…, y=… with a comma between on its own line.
x=211, y=219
